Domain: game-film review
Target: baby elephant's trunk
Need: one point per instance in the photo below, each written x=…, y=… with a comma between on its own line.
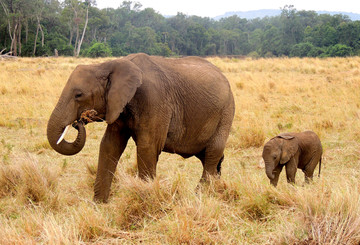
x=269, y=171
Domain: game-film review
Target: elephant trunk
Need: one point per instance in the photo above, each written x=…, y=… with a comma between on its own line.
x=269, y=170
x=55, y=133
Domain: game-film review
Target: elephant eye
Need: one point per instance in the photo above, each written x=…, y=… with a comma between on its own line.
x=78, y=95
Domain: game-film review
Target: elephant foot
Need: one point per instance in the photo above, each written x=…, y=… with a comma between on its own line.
x=100, y=199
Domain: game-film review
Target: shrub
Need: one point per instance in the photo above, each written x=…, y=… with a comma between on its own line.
x=269, y=55
x=98, y=50
x=162, y=49
x=66, y=50
x=339, y=50
x=117, y=51
x=301, y=49
x=315, y=52
x=59, y=42
x=254, y=55
x=27, y=49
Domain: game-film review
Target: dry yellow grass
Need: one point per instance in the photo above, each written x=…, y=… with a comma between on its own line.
x=47, y=198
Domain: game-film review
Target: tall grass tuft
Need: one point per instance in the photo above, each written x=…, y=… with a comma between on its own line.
x=137, y=201
x=28, y=181
x=248, y=135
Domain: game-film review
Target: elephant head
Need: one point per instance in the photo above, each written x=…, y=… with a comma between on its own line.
x=278, y=150
x=105, y=88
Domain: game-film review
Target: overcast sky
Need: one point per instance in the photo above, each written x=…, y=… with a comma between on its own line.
x=212, y=8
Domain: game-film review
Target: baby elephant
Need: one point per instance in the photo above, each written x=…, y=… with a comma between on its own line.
x=292, y=150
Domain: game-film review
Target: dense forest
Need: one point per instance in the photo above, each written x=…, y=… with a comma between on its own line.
x=79, y=28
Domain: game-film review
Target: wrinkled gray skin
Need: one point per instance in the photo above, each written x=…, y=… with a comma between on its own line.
x=182, y=106
x=292, y=150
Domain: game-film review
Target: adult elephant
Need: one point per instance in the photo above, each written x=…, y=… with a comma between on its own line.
x=182, y=106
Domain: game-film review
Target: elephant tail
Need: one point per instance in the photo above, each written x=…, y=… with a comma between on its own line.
x=218, y=167
x=319, y=167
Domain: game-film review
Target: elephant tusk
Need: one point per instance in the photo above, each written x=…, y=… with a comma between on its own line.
x=63, y=134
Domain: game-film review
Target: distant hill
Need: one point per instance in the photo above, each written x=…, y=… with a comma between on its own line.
x=261, y=13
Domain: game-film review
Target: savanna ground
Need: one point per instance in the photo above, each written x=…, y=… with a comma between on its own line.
x=47, y=198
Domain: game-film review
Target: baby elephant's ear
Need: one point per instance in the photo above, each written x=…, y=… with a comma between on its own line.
x=285, y=136
x=289, y=148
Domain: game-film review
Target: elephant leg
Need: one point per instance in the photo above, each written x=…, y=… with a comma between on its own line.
x=112, y=146
x=149, y=144
x=309, y=169
x=277, y=172
x=214, y=151
x=211, y=161
x=147, y=160
x=291, y=168
x=201, y=156
x=213, y=154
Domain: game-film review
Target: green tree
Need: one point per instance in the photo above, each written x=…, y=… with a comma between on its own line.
x=77, y=14
x=271, y=41
x=292, y=31
x=16, y=13
x=349, y=34
x=197, y=39
x=98, y=23
x=229, y=42
x=255, y=40
x=233, y=23
x=322, y=35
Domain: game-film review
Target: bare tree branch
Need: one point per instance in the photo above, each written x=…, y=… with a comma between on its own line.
x=83, y=34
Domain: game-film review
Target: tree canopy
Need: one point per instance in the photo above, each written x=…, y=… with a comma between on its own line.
x=76, y=27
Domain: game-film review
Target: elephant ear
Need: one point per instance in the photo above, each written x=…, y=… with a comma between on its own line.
x=289, y=148
x=123, y=78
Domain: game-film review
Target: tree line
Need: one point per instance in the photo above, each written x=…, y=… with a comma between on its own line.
x=79, y=28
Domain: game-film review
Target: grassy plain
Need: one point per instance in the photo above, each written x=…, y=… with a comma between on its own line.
x=47, y=198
